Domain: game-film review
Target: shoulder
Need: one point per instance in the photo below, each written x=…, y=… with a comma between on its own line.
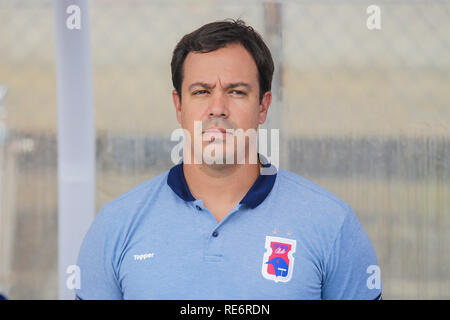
x=126, y=205
x=321, y=204
x=120, y=217
x=306, y=190
x=323, y=215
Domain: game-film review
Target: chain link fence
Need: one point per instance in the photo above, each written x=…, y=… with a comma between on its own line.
x=364, y=113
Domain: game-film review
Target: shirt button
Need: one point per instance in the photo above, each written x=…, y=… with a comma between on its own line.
x=198, y=207
x=215, y=234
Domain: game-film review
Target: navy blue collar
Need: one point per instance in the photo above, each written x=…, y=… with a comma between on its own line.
x=257, y=193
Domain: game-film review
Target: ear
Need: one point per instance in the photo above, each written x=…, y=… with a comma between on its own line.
x=177, y=104
x=264, y=106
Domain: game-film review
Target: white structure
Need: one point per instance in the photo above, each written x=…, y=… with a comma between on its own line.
x=7, y=201
x=76, y=135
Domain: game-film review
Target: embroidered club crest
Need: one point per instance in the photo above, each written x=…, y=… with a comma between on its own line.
x=278, y=261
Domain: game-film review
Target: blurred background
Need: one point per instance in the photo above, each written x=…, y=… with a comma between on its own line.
x=364, y=113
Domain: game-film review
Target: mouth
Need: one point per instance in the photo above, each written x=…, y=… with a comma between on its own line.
x=215, y=133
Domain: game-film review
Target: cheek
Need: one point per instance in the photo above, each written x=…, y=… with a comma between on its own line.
x=188, y=118
x=187, y=123
x=250, y=118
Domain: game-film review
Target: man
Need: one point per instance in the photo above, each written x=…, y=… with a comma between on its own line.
x=224, y=230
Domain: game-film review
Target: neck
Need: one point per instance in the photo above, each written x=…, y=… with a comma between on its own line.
x=220, y=184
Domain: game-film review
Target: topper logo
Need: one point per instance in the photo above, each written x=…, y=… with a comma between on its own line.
x=143, y=256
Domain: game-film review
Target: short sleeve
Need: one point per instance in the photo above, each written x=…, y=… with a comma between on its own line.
x=96, y=262
x=351, y=270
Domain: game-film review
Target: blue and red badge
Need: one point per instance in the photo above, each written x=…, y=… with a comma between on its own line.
x=278, y=261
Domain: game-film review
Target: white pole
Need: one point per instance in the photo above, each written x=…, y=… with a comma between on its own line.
x=76, y=136
x=273, y=35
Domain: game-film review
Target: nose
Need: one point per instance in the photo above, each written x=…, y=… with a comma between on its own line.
x=218, y=106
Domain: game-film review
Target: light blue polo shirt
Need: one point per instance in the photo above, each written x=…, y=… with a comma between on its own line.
x=287, y=239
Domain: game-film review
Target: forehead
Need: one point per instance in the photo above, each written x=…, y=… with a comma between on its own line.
x=232, y=63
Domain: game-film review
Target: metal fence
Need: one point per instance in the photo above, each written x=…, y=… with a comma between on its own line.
x=364, y=113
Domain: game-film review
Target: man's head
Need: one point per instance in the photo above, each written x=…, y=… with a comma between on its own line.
x=222, y=75
x=216, y=35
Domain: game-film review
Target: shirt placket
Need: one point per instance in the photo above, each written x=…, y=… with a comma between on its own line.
x=215, y=237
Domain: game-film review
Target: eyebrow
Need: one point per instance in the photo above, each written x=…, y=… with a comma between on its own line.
x=230, y=86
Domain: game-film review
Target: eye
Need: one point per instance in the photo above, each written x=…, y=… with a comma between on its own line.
x=200, y=92
x=238, y=92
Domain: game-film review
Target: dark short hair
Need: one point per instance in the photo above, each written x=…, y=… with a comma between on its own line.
x=216, y=35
